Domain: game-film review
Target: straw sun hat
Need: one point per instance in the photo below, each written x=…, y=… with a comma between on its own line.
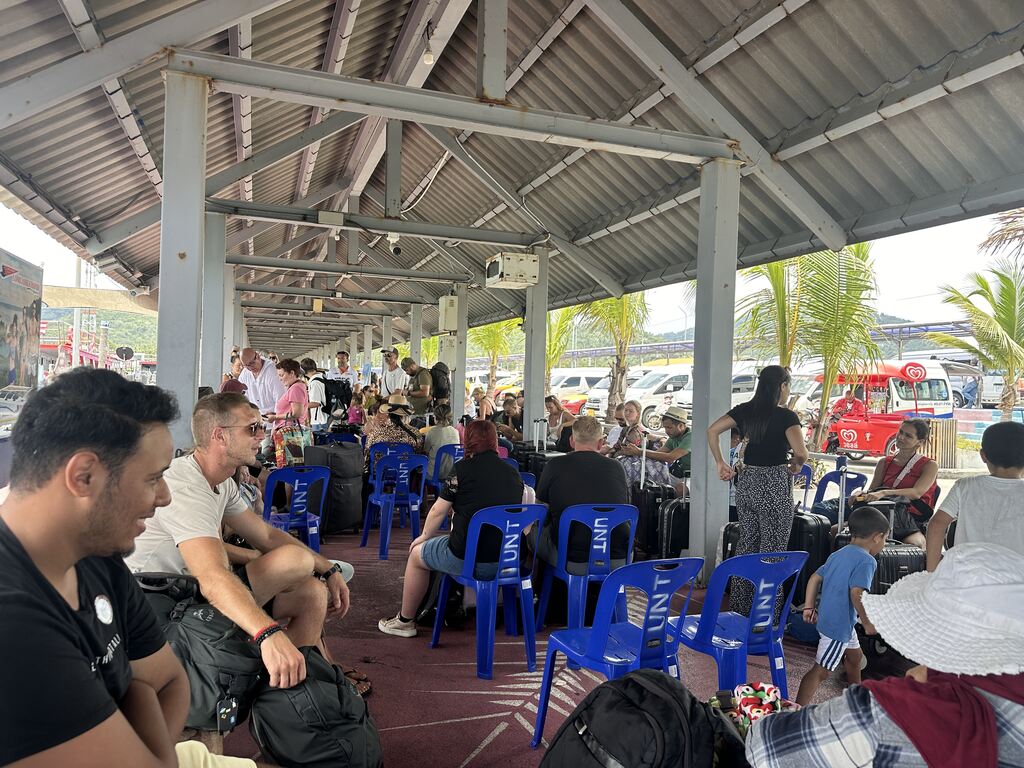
x=396, y=404
x=966, y=618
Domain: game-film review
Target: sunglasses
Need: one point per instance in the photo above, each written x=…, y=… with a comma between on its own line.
x=253, y=429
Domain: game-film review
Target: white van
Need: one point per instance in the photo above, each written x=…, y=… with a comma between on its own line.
x=567, y=380
x=597, y=398
x=654, y=391
x=744, y=382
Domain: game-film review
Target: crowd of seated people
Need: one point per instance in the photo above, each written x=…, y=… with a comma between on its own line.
x=78, y=504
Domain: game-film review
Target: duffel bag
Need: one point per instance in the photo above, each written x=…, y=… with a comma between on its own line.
x=320, y=723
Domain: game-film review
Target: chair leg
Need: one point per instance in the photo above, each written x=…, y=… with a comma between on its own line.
x=529, y=630
x=486, y=613
x=577, y=591
x=442, y=601
x=732, y=669
x=367, y=522
x=542, y=700
x=387, y=513
x=414, y=520
x=777, y=661
x=545, y=593
x=508, y=601
x=313, y=536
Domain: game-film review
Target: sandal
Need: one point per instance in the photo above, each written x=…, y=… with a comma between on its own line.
x=360, y=681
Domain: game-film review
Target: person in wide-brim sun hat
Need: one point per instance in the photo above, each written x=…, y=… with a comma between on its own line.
x=962, y=707
x=396, y=404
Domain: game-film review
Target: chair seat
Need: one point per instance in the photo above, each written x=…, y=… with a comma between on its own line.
x=280, y=519
x=729, y=626
x=621, y=650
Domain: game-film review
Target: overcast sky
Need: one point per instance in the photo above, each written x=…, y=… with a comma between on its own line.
x=911, y=268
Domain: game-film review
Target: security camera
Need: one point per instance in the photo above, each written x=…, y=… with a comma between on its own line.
x=396, y=250
x=393, y=244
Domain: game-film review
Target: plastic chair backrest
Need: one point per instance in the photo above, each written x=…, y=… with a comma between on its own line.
x=854, y=481
x=340, y=437
x=659, y=580
x=511, y=521
x=301, y=479
x=602, y=520
x=398, y=469
x=387, y=449
x=511, y=462
x=766, y=571
x=528, y=478
x=455, y=452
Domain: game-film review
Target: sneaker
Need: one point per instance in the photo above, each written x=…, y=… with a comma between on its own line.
x=395, y=626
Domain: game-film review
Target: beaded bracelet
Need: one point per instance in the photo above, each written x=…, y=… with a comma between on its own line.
x=266, y=632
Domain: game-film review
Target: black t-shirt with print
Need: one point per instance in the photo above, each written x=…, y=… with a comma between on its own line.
x=63, y=671
x=485, y=480
x=772, y=449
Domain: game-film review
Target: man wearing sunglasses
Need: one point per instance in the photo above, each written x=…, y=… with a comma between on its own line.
x=268, y=586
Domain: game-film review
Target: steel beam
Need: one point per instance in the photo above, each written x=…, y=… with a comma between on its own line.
x=259, y=262
x=393, y=170
x=240, y=46
x=238, y=172
x=309, y=308
x=211, y=338
x=458, y=394
x=259, y=227
x=501, y=188
x=27, y=96
x=491, y=49
x=300, y=86
x=181, y=245
x=386, y=298
x=712, y=357
x=283, y=290
x=415, y=331
x=622, y=18
x=535, y=327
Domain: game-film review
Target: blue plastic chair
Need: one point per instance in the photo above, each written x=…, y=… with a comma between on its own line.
x=511, y=521
x=386, y=449
x=511, y=462
x=528, y=478
x=601, y=520
x=455, y=453
x=330, y=438
x=298, y=517
x=728, y=637
x=854, y=482
x=615, y=648
x=392, y=487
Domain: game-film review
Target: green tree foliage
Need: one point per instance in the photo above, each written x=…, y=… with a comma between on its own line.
x=993, y=305
x=771, y=317
x=560, y=325
x=623, y=320
x=495, y=339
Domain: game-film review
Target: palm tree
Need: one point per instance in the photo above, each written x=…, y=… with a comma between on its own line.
x=993, y=306
x=836, y=317
x=621, y=319
x=428, y=350
x=495, y=339
x=1007, y=233
x=559, y=333
x=772, y=315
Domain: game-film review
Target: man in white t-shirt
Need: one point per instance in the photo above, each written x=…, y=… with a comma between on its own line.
x=259, y=588
x=394, y=381
x=342, y=371
x=988, y=508
x=263, y=386
x=317, y=392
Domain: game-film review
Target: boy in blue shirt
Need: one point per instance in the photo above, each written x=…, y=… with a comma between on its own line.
x=844, y=577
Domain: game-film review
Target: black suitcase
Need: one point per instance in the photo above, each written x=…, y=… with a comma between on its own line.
x=730, y=539
x=520, y=452
x=539, y=460
x=648, y=500
x=344, y=459
x=344, y=497
x=673, y=527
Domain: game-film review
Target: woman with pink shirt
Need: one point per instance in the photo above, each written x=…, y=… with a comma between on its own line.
x=293, y=406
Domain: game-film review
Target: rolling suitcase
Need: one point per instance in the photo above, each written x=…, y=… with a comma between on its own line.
x=810, y=534
x=648, y=500
x=344, y=497
x=539, y=460
x=673, y=527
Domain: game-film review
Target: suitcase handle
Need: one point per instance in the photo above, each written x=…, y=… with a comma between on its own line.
x=537, y=433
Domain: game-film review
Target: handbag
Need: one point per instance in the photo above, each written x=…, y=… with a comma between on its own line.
x=290, y=443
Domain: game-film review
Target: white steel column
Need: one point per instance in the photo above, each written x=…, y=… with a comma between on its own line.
x=352, y=236
x=458, y=395
x=393, y=170
x=491, y=49
x=367, y=347
x=415, y=331
x=535, y=325
x=353, y=349
x=181, y=243
x=228, y=335
x=387, y=333
x=211, y=340
x=713, y=342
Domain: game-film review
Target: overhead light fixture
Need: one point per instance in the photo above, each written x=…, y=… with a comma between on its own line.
x=337, y=235
x=428, y=55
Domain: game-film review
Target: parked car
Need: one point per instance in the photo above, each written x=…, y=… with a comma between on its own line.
x=654, y=391
x=595, y=402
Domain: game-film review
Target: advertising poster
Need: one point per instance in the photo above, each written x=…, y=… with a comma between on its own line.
x=21, y=289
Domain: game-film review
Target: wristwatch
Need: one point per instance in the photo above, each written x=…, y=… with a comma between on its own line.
x=336, y=568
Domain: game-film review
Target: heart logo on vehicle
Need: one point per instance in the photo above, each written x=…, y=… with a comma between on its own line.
x=848, y=437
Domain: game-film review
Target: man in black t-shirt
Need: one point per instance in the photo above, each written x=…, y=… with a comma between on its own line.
x=581, y=477
x=510, y=421
x=86, y=678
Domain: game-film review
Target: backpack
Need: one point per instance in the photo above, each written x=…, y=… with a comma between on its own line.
x=440, y=382
x=320, y=723
x=645, y=719
x=223, y=667
x=454, y=612
x=339, y=394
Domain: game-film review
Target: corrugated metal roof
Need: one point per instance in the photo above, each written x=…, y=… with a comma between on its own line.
x=822, y=82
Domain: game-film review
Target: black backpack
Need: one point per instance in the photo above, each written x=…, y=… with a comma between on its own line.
x=440, y=382
x=646, y=719
x=339, y=394
x=320, y=723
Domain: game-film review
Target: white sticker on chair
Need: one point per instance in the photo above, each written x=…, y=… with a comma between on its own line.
x=527, y=584
x=780, y=663
x=673, y=670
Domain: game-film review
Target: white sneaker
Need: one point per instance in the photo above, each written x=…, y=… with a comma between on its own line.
x=395, y=626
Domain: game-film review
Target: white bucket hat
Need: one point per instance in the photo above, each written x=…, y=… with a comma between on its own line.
x=966, y=618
